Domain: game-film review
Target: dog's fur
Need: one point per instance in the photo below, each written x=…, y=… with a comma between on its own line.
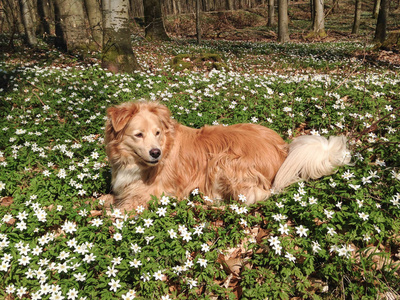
x=151, y=154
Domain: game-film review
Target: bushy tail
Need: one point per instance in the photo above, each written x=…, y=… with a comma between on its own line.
x=311, y=157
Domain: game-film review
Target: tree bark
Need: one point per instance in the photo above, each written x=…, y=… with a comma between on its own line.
x=198, y=27
x=118, y=55
x=43, y=8
x=153, y=20
x=71, y=34
x=319, y=19
x=283, y=21
x=95, y=21
x=381, y=24
x=27, y=21
x=357, y=17
x=271, y=13
x=377, y=5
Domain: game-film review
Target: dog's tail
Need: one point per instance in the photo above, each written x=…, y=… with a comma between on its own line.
x=311, y=157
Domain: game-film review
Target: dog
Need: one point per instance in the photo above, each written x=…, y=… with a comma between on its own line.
x=152, y=154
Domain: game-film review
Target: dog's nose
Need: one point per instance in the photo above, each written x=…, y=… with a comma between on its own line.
x=155, y=153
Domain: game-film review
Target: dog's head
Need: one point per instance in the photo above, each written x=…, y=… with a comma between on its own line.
x=137, y=132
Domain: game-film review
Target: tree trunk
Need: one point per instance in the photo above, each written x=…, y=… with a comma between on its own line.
x=283, y=21
x=95, y=22
x=377, y=5
x=43, y=8
x=153, y=20
x=229, y=4
x=271, y=13
x=357, y=17
x=198, y=27
x=71, y=34
x=381, y=24
x=118, y=54
x=27, y=21
x=319, y=19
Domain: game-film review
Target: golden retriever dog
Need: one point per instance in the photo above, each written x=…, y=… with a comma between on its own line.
x=151, y=154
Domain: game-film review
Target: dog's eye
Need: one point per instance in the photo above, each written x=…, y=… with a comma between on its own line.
x=139, y=135
x=158, y=133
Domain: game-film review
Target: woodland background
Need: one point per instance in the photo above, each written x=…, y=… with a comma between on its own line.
x=106, y=26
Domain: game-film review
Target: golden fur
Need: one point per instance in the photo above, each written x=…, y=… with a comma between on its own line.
x=152, y=154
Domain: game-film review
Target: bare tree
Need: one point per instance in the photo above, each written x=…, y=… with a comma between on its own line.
x=381, y=24
x=153, y=20
x=357, y=17
x=45, y=16
x=28, y=22
x=198, y=27
x=118, y=55
x=71, y=34
x=95, y=18
x=271, y=13
x=283, y=21
x=375, y=12
x=319, y=19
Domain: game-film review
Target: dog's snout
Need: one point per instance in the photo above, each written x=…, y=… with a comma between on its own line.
x=155, y=153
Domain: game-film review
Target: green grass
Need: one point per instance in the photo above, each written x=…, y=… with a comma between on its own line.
x=336, y=237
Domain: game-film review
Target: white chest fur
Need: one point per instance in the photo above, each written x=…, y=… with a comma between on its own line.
x=124, y=177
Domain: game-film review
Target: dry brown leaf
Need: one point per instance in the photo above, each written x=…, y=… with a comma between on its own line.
x=6, y=201
x=95, y=213
x=262, y=233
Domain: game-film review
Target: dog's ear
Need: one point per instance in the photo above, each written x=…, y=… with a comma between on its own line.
x=165, y=116
x=119, y=117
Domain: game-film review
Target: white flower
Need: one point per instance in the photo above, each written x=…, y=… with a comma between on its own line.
x=301, y=230
x=148, y=222
x=283, y=229
x=69, y=227
x=97, y=222
x=131, y=294
x=205, y=247
x=164, y=200
x=202, y=262
x=331, y=231
x=242, y=198
x=114, y=285
x=89, y=258
x=135, y=263
x=329, y=214
x=186, y=236
x=72, y=294
x=139, y=209
x=135, y=248
x=161, y=211
x=24, y=260
x=192, y=283
x=80, y=277
x=172, y=234
x=347, y=175
x=345, y=251
x=316, y=247
x=111, y=272
x=363, y=216
x=273, y=240
x=139, y=229
x=117, y=236
x=290, y=257
x=158, y=275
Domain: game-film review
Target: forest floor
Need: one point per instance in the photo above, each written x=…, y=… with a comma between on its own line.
x=332, y=238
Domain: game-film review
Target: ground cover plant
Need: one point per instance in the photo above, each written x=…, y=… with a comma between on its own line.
x=337, y=237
